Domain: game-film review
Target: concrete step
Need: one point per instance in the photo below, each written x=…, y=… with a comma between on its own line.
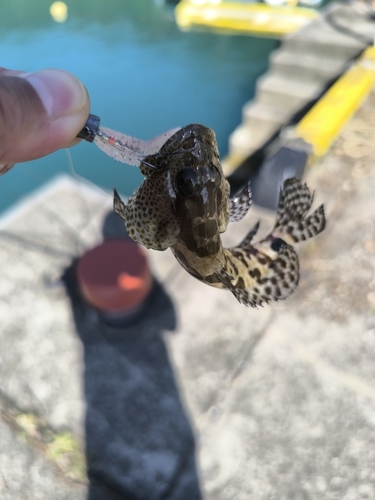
x=306, y=68
x=264, y=120
x=244, y=141
x=356, y=12
x=259, y=123
x=284, y=93
x=321, y=39
x=363, y=31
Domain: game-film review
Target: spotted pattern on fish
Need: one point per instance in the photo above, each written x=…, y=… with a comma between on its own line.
x=263, y=278
x=295, y=201
x=183, y=204
x=240, y=203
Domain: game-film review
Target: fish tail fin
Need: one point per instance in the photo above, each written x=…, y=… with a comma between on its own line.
x=291, y=224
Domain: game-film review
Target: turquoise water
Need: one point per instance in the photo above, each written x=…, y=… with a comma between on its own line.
x=144, y=76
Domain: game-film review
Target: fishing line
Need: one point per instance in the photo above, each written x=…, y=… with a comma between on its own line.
x=82, y=179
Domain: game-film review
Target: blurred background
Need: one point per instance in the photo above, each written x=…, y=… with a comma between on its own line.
x=143, y=74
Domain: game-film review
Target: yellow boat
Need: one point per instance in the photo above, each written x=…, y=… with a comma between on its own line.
x=255, y=19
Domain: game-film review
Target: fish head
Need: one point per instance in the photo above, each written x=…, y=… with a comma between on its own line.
x=189, y=165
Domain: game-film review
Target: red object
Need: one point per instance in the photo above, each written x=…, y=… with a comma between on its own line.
x=114, y=276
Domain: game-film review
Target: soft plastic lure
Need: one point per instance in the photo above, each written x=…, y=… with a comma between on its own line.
x=128, y=149
x=121, y=147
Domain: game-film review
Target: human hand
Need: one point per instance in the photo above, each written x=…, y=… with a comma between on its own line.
x=39, y=113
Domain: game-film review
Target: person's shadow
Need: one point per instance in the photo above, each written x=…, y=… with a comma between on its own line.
x=139, y=444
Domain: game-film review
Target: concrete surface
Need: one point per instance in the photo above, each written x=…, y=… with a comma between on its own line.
x=203, y=398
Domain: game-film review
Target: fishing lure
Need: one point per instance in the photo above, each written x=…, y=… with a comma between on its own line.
x=184, y=204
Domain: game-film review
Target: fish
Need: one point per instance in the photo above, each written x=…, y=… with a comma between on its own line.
x=184, y=204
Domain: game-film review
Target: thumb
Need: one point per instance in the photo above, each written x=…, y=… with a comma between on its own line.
x=39, y=113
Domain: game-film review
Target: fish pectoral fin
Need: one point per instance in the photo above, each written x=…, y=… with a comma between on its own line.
x=119, y=206
x=240, y=204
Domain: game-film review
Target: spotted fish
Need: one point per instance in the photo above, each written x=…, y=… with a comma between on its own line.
x=184, y=204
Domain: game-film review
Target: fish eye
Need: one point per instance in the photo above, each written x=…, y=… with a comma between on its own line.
x=187, y=182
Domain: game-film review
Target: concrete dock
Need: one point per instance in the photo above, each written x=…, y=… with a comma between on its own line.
x=203, y=398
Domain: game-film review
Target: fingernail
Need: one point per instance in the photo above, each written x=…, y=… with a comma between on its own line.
x=60, y=92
